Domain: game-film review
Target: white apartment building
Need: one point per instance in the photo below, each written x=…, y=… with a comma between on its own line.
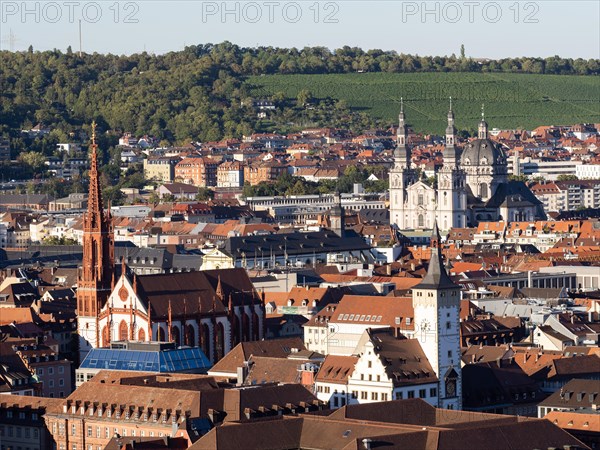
x=568, y=195
x=588, y=172
x=533, y=167
x=303, y=208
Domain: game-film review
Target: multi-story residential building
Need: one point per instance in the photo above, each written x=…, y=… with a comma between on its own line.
x=66, y=168
x=550, y=169
x=568, y=195
x=68, y=148
x=17, y=234
x=15, y=377
x=265, y=171
x=199, y=171
x=22, y=424
x=48, y=369
x=570, y=329
x=302, y=209
x=160, y=168
x=550, y=195
x=230, y=174
x=576, y=394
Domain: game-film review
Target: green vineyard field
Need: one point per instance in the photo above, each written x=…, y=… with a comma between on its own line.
x=511, y=100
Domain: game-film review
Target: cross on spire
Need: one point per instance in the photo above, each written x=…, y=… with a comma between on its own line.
x=450, y=104
x=482, y=111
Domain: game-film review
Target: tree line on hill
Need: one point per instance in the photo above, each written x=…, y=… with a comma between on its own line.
x=199, y=93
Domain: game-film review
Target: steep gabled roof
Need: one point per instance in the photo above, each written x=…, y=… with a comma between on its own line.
x=436, y=277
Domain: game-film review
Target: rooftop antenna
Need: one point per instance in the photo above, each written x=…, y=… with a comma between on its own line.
x=11, y=40
x=80, y=41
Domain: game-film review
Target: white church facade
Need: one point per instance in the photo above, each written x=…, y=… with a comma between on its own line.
x=472, y=185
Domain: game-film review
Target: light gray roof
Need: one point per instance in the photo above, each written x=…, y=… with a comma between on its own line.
x=480, y=149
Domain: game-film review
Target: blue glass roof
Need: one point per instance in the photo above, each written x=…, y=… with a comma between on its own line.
x=175, y=360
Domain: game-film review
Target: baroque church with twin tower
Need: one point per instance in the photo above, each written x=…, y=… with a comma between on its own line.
x=472, y=185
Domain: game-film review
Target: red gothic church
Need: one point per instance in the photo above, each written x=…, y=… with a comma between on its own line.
x=214, y=310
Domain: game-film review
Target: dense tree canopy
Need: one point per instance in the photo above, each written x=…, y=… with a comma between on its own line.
x=199, y=92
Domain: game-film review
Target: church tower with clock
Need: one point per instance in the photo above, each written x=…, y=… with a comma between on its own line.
x=436, y=303
x=94, y=283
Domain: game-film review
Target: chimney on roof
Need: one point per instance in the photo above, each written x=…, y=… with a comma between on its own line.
x=242, y=373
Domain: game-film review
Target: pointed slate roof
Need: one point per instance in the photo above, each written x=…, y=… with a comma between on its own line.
x=436, y=277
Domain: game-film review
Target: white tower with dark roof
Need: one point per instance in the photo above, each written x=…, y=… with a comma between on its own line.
x=436, y=303
x=451, y=192
x=401, y=175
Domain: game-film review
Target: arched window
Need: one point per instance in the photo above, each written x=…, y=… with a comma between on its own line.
x=123, y=331
x=205, y=340
x=160, y=334
x=220, y=338
x=246, y=327
x=255, y=334
x=190, y=336
x=421, y=220
x=141, y=335
x=176, y=335
x=236, y=331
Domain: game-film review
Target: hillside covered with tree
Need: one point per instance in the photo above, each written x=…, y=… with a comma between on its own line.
x=200, y=93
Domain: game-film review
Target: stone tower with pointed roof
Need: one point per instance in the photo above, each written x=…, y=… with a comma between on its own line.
x=94, y=282
x=436, y=303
